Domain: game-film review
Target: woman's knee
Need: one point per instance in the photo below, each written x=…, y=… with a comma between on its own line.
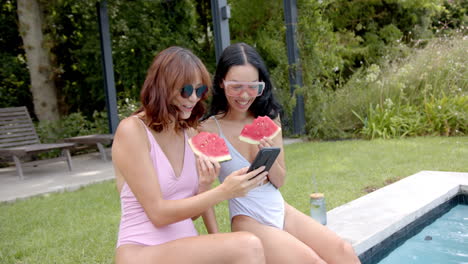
x=250, y=246
x=317, y=260
x=349, y=254
x=250, y=240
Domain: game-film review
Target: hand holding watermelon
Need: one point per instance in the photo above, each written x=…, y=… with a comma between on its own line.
x=210, y=145
x=265, y=143
x=261, y=127
x=208, y=171
x=210, y=149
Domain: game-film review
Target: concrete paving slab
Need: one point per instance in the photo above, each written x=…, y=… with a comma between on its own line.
x=54, y=177
x=287, y=141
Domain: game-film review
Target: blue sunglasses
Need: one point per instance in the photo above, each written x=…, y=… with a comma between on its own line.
x=187, y=91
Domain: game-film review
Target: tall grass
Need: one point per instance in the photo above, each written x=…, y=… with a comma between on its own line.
x=424, y=94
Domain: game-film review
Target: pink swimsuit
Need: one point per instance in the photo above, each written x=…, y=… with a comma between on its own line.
x=135, y=226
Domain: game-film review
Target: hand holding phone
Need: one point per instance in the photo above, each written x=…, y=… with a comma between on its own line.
x=265, y=157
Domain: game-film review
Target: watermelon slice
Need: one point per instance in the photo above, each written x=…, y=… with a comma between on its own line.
x=210, y=145
x=261, y=127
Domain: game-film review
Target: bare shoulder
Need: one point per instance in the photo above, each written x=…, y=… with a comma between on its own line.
x=130, y=131
x=278, y=140
x=191, y=132
x=208, y=125
x=277, y=120
x=130, y=126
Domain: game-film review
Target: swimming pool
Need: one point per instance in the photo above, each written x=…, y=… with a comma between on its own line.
x=387, y=212
x=439, y=236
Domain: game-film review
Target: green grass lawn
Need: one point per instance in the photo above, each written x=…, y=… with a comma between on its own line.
x=81, y=226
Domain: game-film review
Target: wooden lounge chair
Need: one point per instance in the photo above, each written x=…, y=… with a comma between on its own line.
x=98, y=139
x=18, y=139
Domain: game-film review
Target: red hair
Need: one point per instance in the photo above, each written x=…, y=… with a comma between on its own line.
x=170, y=70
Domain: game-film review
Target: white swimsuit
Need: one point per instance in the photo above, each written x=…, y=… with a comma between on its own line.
x=264, y=203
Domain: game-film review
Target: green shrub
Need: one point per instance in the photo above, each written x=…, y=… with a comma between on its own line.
x=127, y=106
x=330, y=113
x=76, y=124
x=446, y=116
x=388, y=121
x=99, y=124
x=399, y=99
x=72, y=125
x=55, y=131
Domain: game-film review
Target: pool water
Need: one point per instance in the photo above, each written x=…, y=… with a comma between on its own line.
x=444, y=241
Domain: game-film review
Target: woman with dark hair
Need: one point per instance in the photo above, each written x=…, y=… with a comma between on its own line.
x=242, y=91
x=162, y=185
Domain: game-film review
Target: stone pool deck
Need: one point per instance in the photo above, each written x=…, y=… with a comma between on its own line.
x=368, y=220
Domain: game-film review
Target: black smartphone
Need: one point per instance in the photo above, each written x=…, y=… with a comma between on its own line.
x=265, y=157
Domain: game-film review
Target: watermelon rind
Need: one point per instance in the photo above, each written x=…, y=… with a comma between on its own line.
x=251, y=140
x=197, y=152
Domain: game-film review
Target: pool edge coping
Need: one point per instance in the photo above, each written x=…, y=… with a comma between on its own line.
x=370, y=219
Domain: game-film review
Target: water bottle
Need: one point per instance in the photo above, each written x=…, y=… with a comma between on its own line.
x=318, y=210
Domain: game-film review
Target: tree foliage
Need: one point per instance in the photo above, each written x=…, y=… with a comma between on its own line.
x=139, y=29
x=337, y=39
x=262, y=26
x=14, y=77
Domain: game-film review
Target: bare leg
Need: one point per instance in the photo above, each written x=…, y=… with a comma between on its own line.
x=322, y=240
x=239, y=247
x=280, y=247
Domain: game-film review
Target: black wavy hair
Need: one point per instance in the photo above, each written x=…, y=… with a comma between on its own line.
x=236, y=55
